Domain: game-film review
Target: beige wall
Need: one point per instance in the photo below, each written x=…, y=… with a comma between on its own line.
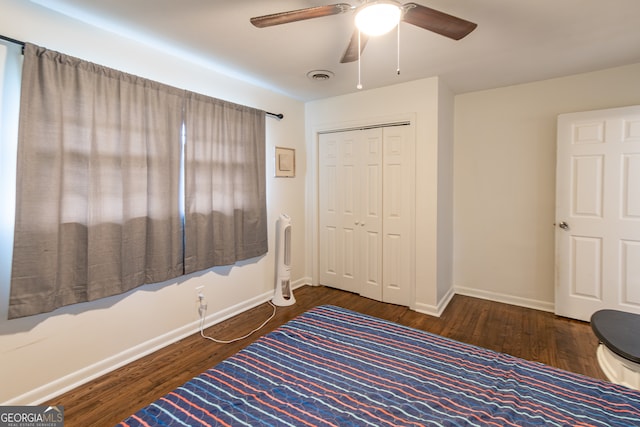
x=43, y=355
x=445, y=195
x=503, y=201
x=504, y=180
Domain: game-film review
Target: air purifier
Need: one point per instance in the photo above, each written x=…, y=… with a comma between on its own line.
x=283, y=294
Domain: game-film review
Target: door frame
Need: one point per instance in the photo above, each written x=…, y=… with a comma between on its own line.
x=313, y=160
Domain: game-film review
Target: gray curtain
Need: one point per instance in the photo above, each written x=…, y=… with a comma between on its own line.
x=225, y=202
x=98, y=180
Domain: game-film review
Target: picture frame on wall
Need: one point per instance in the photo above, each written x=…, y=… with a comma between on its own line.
x=285, y=162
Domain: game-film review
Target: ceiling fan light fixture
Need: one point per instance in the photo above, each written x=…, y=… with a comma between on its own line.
x=378, y=17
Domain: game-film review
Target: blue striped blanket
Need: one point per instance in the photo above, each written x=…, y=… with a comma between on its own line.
x=335, y=367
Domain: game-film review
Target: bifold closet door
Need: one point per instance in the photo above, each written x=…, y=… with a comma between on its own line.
x=365, y=212
x=350, y=211
x=398, y=228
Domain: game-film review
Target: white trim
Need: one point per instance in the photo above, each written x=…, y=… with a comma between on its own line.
x=68, y=382
x=505, y=298
x=435, y=310
x=444, y=302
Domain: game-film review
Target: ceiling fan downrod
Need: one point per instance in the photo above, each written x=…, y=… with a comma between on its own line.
x=398, y=69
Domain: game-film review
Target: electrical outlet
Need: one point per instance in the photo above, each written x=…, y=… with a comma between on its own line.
x=202, y=309
x=202, y=304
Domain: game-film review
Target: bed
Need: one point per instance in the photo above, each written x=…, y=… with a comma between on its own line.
x=335, y=367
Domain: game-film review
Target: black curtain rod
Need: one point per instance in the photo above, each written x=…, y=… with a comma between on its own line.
x=277, y=116
x=9, y=39
x=21, y=43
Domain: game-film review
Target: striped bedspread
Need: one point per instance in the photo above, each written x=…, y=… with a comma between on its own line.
x=335, y=367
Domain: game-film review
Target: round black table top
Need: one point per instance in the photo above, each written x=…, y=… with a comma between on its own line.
x=619, y=331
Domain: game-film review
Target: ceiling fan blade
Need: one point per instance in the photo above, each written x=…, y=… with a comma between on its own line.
x=351, y=53
x=300, y=15
x=436, y=21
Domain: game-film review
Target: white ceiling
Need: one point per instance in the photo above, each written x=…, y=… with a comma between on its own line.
x=516, y=41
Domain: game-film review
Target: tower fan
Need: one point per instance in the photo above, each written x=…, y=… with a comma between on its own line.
x=283, y=294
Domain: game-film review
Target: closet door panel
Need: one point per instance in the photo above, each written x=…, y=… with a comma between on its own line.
x=349, y=261
x=370, y=219
x=398, y=221
x=330, y=262
x=339, y=209
x=347, y=192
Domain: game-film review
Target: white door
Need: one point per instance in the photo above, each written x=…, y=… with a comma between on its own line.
x=350, y=205
x=369, y=217
x=598, y=212
x=365, y=220
x=337, y=266
x=398, y=208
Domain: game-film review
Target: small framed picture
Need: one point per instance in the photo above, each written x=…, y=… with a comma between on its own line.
x=285, y=162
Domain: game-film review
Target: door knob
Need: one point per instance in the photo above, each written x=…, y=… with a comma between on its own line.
x=563, y=225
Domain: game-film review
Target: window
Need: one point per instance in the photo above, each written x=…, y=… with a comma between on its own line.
x=10, y=69
x=99, y=178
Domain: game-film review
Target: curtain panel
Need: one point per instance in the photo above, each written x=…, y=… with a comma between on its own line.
x=100, y=176
x=225, y=202
x=98, y=181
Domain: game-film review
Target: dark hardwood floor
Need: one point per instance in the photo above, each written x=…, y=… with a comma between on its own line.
x=521, y=332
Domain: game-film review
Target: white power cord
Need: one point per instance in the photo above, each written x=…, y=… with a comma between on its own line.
x=203, y=312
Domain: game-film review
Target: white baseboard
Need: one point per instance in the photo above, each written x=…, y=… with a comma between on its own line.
x=507, y=299
x=82, y=376
x=435, y=310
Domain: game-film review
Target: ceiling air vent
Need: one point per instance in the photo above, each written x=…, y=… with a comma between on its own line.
x=319, y=75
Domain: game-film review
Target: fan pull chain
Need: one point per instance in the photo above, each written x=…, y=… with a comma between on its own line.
x=359, y=86
x=398, y=70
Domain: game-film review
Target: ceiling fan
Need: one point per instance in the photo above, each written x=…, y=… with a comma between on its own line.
x=412, y=13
